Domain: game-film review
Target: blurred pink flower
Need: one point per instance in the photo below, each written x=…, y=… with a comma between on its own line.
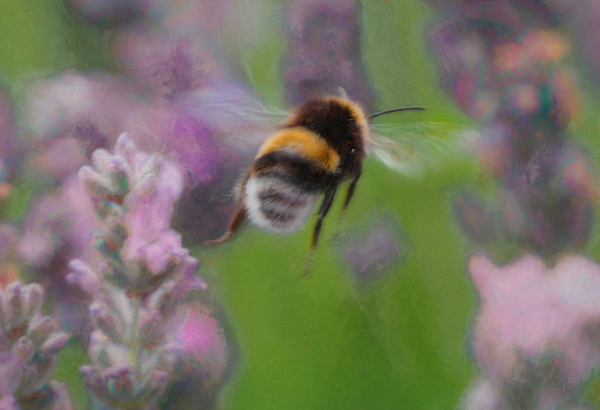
x=532, y=315
x=484, y=394
x=201, y=337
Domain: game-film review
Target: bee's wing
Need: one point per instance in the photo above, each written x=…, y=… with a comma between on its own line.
x=237, y=105
x=412, y=148
x=242, y=119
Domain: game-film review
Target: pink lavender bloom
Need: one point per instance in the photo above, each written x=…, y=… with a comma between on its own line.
x=29, y=344
x=136, y=192
x=206, y=363
x=537, y=324
x=142, y=276
x=486, y=395
x=324, y=50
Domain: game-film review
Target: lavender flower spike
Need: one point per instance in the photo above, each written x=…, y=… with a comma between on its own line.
x=142, y=275
x=135, y=193
x=29, y=345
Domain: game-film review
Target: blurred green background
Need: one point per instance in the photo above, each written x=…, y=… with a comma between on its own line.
x=320, y=342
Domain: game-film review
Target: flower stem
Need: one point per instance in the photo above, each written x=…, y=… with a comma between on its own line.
x=134, y=340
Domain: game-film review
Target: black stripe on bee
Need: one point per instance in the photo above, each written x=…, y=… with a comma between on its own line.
x=302, y=173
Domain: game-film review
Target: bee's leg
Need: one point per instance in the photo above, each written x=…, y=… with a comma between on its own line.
x=351, y=189
x=323, y=210
x=349, y=195
x=233, y=226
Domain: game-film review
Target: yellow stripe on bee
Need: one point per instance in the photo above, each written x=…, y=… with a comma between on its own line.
x=355, y=109
x=304, y=143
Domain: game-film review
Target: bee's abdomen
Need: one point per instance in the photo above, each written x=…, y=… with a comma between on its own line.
x=277, y=205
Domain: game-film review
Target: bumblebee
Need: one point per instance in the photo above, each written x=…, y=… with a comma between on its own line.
x=321, y=146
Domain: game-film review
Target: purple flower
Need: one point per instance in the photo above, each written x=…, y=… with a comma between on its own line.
x=324, y=50
x=166, y=63
x=372, y=249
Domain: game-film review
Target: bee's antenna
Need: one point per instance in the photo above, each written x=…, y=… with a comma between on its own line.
x=377, y=114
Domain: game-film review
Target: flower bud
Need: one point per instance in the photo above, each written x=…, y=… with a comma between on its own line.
x=120, y=382
x=84, y=277
x=23, y=349
x=34, y=297
x=11, y=373
x=54, y=343
x=40, y=329
x=115, y=169
x=154, y=387
x=12, y=303
x=61, y=400
x=94, y=182
x=151, y=328
x=106, y=320
x=105, y=353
